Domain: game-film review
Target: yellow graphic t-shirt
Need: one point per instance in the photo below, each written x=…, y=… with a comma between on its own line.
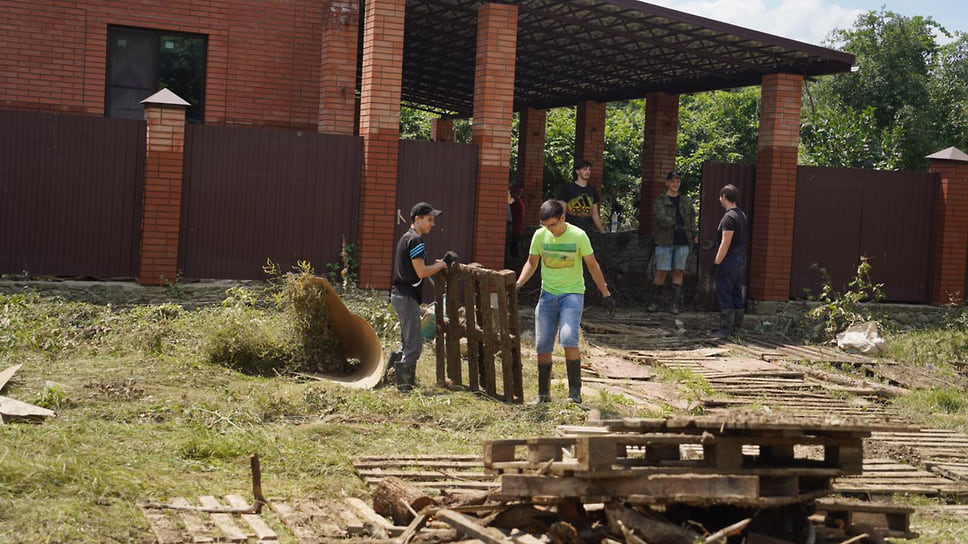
x=561, y=259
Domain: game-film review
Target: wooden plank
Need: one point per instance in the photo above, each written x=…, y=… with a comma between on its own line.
x=473, y=338
x=262, y=531
x=490, y=337
x=224, y=522
x=14, y=410
x=291, y=519
x=8, y=373
x=422, y=475
x=162, y=526
x=468, y=526
x=680, y=488
x=440, y=331
x=430, y=457
x=515, y=328
x=453, y=330
x=321, y=521
x=369, y=515
x=504, y=336
x=200, y=531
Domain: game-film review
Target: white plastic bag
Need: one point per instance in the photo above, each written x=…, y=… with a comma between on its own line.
x=862, y=338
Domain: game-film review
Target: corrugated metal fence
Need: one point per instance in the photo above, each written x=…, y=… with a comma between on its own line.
x=254, y=194
x=70, y=194
x=843, y=213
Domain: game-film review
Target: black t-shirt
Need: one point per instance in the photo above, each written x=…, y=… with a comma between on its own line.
x=579, y=202
x=735, y=220
x=405, y=279
x=679, y=233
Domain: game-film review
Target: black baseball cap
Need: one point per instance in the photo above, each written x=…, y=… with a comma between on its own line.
x=422, y=208
x=672, y=175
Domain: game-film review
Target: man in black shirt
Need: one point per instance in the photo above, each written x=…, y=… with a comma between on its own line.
x=729, y=265
x=581, y=201
x=410, y=269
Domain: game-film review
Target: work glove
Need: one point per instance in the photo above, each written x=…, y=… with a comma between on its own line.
x=609, y=304
x=714, y=269
x=450, y=257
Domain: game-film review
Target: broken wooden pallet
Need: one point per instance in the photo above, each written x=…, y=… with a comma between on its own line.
x=941, y=451
x=886, y=477
x=434, y=474
x=891, y=520
x=177, y=526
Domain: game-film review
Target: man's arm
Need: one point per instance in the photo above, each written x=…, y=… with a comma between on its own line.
x=423, y=270
x=596, y=218
x=723, y=246
x=596, y=271
x=660, y=217
x=530, y=266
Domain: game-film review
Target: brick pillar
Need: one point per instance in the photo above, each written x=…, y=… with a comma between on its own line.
x=337, y=74
x=442, y=130
x=776, y=187
x=658, y=151
x=532, y=124
x=161, y=204
x=497, y=35
x=380, y=128
x=951, y=230
x=590, y=138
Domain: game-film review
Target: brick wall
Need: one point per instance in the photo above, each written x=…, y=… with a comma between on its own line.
x=776, y=187
x=658, y=151
x=263, y=55
x=532, y=126
x=590, y=138
x=951, y=236
x=380, y=127
x=493, y=109
x=161, y=211
x=337, y=89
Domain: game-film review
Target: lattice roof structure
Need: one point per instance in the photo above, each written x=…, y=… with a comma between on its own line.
x=605, y=50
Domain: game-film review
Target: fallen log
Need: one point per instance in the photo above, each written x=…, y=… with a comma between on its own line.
x=398, y=500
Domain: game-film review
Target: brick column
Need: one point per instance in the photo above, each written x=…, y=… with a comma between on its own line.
x=776, y=187
x=161, y=204
x=658, y=151
x=337, y=73
x=442, y=130
x=497, y=35
x=590, y=138
x=951, y=230
x=380, y=128
x=532, y=124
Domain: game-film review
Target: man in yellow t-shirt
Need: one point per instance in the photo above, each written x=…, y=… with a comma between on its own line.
x=561, y=249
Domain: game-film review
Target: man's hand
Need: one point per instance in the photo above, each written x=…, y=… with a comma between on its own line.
x=451, y=257
x=609, y=304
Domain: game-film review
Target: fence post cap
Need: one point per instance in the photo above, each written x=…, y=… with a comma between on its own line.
x=164, y=97
x=949, y=154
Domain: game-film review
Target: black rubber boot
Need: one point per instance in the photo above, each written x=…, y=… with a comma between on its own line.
x=406, y=374
x=574, y=380
x=674, y=304
x=544, y=384
x=738, y=320
x=725, y=324
x=654, y=299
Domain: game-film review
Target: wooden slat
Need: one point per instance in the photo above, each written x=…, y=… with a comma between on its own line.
x=504, y=335
x=263, y=532
x=224, y=522
x=490, y=337
x=292, y=520
x=198, y=530
x=473, y=339
x=162, y=526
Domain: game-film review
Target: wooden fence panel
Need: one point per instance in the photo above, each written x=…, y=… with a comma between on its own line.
x=70, y=194
x=254, y=194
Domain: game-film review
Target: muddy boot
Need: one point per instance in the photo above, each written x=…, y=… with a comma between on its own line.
x=738, y=320
x=725, y=324
x=391, y=369
x=405, y=376
x=674, y=304
x=574, y=380
x=654, y=299
x=544, y=384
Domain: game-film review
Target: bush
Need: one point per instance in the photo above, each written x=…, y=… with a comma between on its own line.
x=837, y=310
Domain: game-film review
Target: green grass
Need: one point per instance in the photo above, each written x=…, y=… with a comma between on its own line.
x=144, y=414
x=946, y=408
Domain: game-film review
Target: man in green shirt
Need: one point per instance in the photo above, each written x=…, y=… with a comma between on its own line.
x=561, y=249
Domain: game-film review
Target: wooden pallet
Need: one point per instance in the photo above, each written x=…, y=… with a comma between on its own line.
x=434, y=474
x=177, y=526
x=886, y=477
x=941, y=451
x=891, y=520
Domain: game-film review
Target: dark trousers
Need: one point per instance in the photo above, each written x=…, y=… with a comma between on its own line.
x=730, y=288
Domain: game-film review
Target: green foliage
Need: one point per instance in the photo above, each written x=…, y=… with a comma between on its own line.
x=839, y=310
x=716, y=126
x=622, y=182
x=559, y=150
x=939, y=407
x=933, y=345
x=54, y=397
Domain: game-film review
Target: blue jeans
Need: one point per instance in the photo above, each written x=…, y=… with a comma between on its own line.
x=557, y=315
x=671, y=257
x=408, y=312
x=730, y=288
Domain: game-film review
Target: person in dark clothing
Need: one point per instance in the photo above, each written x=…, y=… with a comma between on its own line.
x=410, y=269
x=674, y=233
x=581, y=201
x=515, y=223
x=729, y=265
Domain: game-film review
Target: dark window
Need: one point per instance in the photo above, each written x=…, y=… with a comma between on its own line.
x=141, y=62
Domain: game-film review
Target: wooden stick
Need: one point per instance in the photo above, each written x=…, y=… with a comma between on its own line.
x=728, y=531
x=255, y=508
x=855, y=539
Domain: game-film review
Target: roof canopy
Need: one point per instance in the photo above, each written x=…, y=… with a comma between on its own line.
x=574, y=50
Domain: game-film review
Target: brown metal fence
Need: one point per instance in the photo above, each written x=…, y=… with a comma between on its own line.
x=843, y=213
x=70, y=194
x=255, y=194
x=445, y=175
x=714, y=176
